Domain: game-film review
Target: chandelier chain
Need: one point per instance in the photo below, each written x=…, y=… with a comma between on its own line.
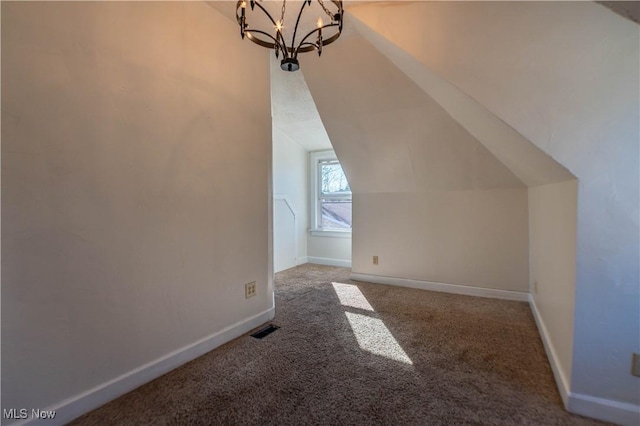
x=327, y=11
x=284, y=3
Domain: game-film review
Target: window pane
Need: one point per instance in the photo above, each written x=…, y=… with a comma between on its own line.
x=333, y=179
x=336, y=214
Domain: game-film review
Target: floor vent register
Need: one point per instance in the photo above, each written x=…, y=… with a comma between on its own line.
x=264, y=332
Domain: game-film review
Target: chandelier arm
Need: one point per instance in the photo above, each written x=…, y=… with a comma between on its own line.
x=295, y=30
x=278, y=44
x=311, y=46
x=324, y=41
x=283, y=45
x=279, y=35
x=266, y=13
x=260, y=42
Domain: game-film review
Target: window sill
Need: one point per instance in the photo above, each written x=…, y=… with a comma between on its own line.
x=334, y=233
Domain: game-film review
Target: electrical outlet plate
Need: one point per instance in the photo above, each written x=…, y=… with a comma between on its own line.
x=375, y=260
x=250, y=289
x=635, y=364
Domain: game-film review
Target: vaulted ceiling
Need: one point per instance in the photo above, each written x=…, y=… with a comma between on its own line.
x=380, y=78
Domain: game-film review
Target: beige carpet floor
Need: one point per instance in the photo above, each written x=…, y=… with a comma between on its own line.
x=357, y=353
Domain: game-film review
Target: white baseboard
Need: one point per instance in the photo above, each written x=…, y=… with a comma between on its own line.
x=330, y=262
x=604, y=409
x=586, y=405
x=78, y=405
x=302, y=260
x=443, y=288
x=558, y=373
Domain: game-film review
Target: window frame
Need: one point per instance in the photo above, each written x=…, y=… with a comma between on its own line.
x=315, y=181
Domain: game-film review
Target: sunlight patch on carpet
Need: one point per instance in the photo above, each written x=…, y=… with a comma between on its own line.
x=371, y=333
x=373, y=336
x=350, y=295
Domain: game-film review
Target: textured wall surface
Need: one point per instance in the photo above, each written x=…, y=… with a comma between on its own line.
x=135, y=189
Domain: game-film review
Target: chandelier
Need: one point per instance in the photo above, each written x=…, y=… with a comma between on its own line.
x=282, y=35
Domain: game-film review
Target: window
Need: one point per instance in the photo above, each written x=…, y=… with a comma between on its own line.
x=331, y=195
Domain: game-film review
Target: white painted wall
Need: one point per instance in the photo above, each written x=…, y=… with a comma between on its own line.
x=298, y=130
x=135, y=190
x=430, y=200
x=471, y=238
x=284, y=235
x=290, y=177
x=565, y=76
x=552, y=268
x=328, y=250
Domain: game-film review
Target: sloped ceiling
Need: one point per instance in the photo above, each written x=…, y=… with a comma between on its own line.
x=389, y=134
x=294, y=113
x=628, y=9
x=530, y=164
x=533, y=85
